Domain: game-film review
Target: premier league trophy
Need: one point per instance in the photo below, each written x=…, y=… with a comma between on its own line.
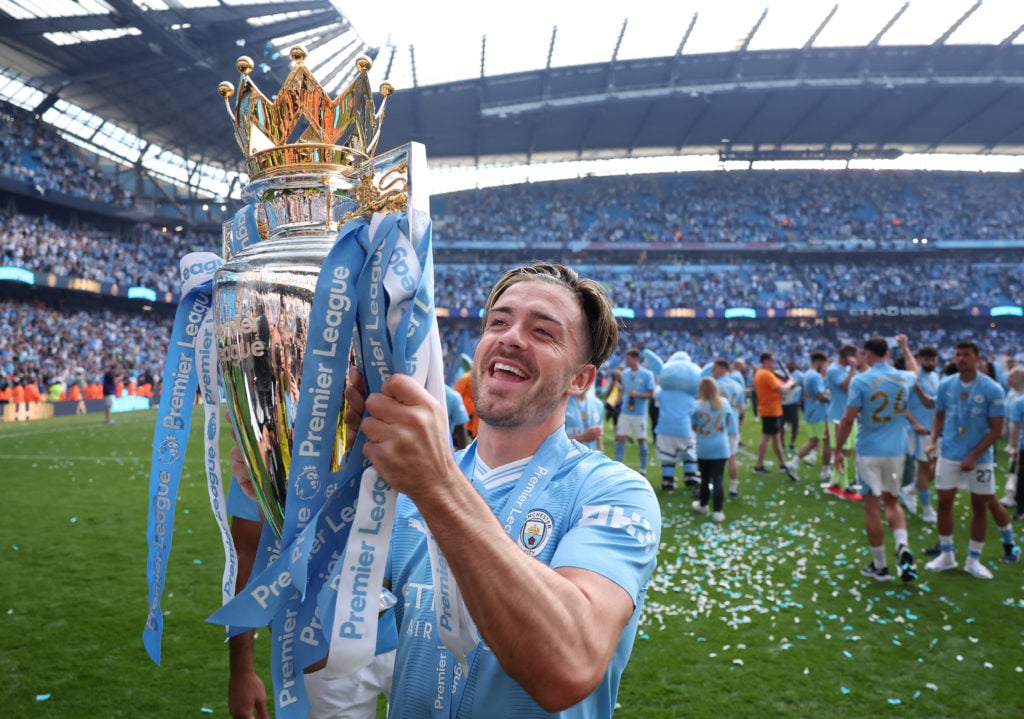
x=328, y=264
x=299, y=196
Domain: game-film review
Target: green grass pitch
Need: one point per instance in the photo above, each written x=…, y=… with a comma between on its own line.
x=765, y=615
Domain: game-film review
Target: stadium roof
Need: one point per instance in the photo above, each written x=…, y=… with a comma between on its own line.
x=137, y=79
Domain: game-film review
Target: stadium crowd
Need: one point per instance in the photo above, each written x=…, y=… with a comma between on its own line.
x=44, y=346
x=32, y=153
x=853, y=209
x=787, y=207
x=148, y=259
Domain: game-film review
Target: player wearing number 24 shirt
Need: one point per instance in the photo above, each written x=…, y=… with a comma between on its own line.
x=879, y=398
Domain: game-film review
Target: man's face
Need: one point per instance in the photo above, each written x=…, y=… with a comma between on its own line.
x=632, y=361
x=530, y=355
x=769, y=364
x=928, y=364
x=966, y=359
x=717, y=371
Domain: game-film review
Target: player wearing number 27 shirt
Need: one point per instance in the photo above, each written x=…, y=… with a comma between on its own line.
x=969, y=412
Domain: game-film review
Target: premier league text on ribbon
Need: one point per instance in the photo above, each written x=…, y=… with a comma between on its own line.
x=181, y=398
x=364, y=594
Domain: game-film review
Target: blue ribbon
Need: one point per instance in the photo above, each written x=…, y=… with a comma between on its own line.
x=171, y=435
x=393, y=314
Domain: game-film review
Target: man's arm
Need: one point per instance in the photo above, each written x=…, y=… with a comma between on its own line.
x=909, y=361
x=915, y=424
x=851, y=372
x=926, y=399
x=590, y=434
x=247, y=697
x=584, y=610
x=786, y=386
x=938, y=421
x=995, y=431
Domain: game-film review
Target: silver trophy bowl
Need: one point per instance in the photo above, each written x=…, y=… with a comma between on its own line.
x=262, y=300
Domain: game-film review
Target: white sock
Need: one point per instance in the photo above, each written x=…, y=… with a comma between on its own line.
x=900, y=535
x=878, y=556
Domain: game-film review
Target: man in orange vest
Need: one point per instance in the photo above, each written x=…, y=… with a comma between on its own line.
x=464, y=386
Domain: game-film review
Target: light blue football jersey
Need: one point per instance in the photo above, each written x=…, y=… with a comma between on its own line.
x=881, y=395
x=642, y=380
x=929, y=384
x=815, y=410
x=968, y=410
x=834, y=376
x=594, y=514
x=713, y=427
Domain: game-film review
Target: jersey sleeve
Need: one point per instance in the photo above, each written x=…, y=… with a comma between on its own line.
x=998, y=402
x=855, y=396
x=614, y=530
x=239, y=505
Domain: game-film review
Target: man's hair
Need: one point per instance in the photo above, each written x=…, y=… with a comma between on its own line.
x=1015, y=375
x=722, y=362
x=928, y=351
x=765, y=356
x=877, y=346
x=847, y=350
x=819, y=357
x=602, y=328
x=633, y=352
x=968, y=345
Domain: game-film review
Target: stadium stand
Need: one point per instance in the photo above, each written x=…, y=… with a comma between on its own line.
x=674, y=251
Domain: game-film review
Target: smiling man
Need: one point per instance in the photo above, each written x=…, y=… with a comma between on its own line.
x=551, y=544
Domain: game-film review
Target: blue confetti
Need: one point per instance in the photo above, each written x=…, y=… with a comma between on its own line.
x=895, y=701
x=197, y=561
x=42, y=697
x=15, y=547
x=847, y=654
x=206, y=710
x=844, y=690
x=917, y=694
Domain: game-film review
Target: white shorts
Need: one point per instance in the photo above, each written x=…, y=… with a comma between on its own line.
x=673, y=449
x=917, y=444
x=632, y=425
x=734, y=444
x=353, y=696
x=980, y=480
x=881, y=474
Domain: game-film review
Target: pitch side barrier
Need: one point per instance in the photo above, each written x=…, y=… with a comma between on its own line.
x=750, y=313
x=26, y=411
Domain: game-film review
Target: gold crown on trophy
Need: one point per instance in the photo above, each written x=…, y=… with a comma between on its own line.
x=341, y=133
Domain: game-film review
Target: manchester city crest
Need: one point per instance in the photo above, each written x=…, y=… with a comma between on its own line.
x=536, y=531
